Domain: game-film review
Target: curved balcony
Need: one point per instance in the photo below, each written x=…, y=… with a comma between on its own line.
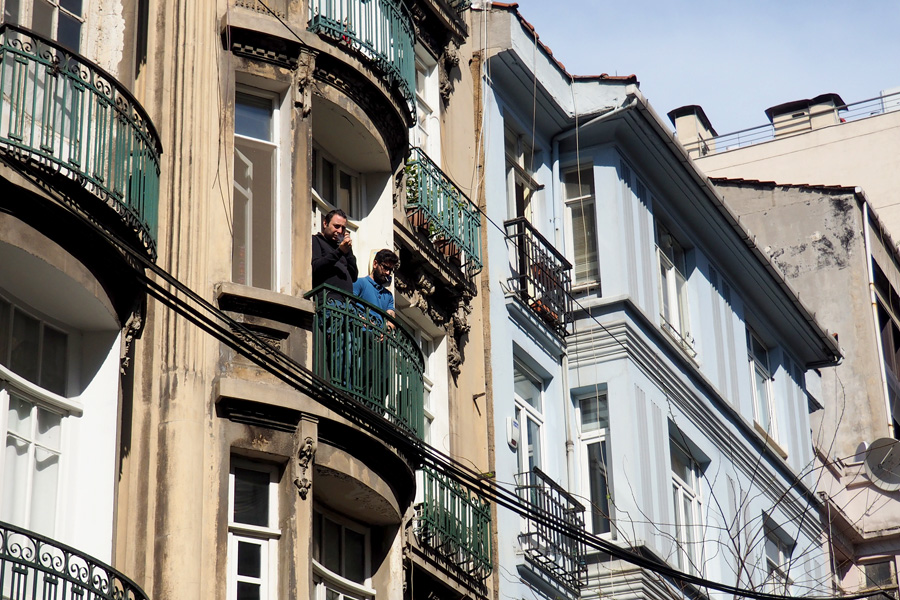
x=33, y=566
x=62, y=112
x=363, y=351
x=379, y=31
x=442, y=212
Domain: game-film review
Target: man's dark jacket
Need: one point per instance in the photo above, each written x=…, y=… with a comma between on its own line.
x=331, y=266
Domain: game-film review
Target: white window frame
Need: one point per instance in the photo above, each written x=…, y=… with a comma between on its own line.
x=354, y=207
x=520, y=171
x=426, y=133
x=326, y=578
x=266, y=537
x=43, y=324
x=26, y=16
x=525, y=414
x=280, y=213
x=777, y=580
x=600, y=435
x=688, y=511
x=592, y=276
x=767, y=422
x=674, y=305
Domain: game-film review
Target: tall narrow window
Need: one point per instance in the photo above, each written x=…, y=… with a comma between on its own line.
x=341, y=555
x=520, y=166
x=578, y=191
x=529, y=413
x=335, y=185
x=33, y=348
x=687, y=506
x=252, y=531
x=60, y=20
x=593, y=411
x=881, y=575
x=255, y=190
x=673, y=297
x=778, y=555
x=761, y=377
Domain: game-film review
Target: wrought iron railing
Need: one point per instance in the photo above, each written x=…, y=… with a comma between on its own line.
x=33, y=566
x=460, y=5
x=440, y=210
x=456, y=523
x=763, y=133
x=541, y=275
x=363, y=351
x=63, y=112
x=545, y=541
x=380, y=31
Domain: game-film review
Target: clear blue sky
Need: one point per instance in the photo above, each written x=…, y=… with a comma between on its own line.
x=735, y=58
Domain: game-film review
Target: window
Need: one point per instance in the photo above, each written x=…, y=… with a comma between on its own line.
x=761, y=376
x=256, y=159
x=673, y=299
x=32, y=348
x=426, y=133
x=778, y=556
x=880, y=575
x=30, y=470
x=252, y=531
x=520, y=161
x=336, y=185
x=593, y=417
x=578, y=193
x=341, y=558
x=529, y=413
x=427, y=346
x=687, y=505
x=59, y=20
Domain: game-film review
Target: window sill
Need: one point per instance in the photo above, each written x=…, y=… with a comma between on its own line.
x=684, y=344
x=345, y=584
x=769, y=440
x=35, y=392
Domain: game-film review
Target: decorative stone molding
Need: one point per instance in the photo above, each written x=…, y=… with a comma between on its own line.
x=132, y=330
x=302, y=84
x=305, y=457
x=446, y=77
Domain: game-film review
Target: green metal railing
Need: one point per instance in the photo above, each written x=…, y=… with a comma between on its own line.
x=460, y=5
x=33, y=566
x=455, y=523
x=437, y=207
x=363, y=351
x=61, y=111
x=381, y=31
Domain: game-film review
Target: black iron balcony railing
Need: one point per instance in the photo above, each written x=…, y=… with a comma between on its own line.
x=460, y=5
x=558, y=554
x=440, y=210
x=63, y=112
x=541, y=275
x=380, y=31
x=360, y=349
x=35, y=567
x=456, y=523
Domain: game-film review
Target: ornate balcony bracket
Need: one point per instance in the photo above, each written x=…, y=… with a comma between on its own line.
x=305, y=457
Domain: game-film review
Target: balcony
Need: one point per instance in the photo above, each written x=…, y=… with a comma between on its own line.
x=33, y=566
x=541, y=275
x=455, y=523
x=380, y=32
x=559, y=555
x=361, y=350
x=61, y=112
x=439, y=210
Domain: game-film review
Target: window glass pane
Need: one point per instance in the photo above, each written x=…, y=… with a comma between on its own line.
x=73, y=6
x=327, y=191
x=681, y=463
x=19, y=416
x=15, y=481
x=4, y=331
x=48, y=428
x=579, y=184
x=762, y=402
x=251, y=497
x=354, y=556
x=53, y=361
x=11, y=11
x=42, y=18
x=331, y=546
x=879, y=574
x=68, y=31
x=527, y=389
x=534, y=444
x=247, y=591
x=254, y=192
x=44, y=490
x=253, y=116
x=594, y=413
x=24, y=352
x=599, y=486
x=249, y=559
x=584, y=241
x=345, y=193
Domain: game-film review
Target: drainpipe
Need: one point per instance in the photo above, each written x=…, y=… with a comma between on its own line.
x=873, y=298
x=567, y=402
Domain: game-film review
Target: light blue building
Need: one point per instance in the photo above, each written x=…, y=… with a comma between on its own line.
x=648, y=361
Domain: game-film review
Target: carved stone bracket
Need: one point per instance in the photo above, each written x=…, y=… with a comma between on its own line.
x=132, y=330
x=446, y=76
x=305, y=457
x=303, y=80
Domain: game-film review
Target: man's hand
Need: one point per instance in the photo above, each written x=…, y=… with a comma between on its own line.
x=346, y=245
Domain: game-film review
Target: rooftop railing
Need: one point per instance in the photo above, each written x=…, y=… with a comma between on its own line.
x=456, y=523
x=361, y=350
x=442, y=212
x=544, y=541
x=63, y=112
x=380, y=31
x=845, y=113
x=541, y=275
x=34, y=566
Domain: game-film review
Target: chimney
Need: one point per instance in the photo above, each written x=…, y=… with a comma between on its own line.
x=694, y=130
x=799, y=116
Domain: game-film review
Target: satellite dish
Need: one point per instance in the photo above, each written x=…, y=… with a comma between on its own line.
x=883, y=464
